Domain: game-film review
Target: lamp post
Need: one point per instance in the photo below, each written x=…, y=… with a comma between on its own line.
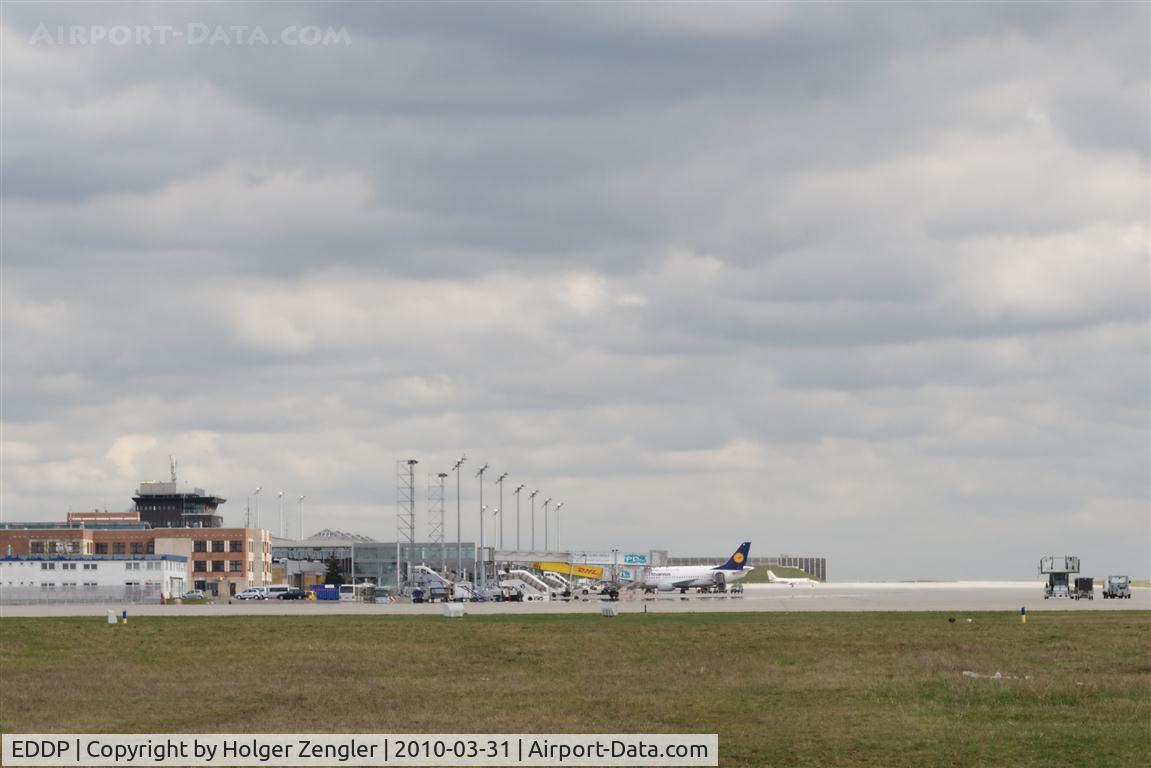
x=300, y=503
x=558, y=508
x=256, y=493
x=546, y=502
x=459, y=546
x=519, y=488
x=500, y=483
x=280, y=501
x=480, y=552
x=532, y=496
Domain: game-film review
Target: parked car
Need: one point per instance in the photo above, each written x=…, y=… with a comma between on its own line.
x=252, y=593
x=194, y=594
x=293, y=594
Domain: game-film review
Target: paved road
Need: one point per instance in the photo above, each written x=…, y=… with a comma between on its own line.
x=946, y=596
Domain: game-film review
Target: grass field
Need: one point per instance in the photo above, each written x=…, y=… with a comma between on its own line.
x=860, y=689
x=759, y=575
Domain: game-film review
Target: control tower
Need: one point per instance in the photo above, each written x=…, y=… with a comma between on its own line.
x=164, y=505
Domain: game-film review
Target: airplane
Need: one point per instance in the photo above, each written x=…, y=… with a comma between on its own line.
x=685, y=577
x=773, y=579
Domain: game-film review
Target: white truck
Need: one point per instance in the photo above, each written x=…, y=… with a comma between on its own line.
x=1117, y=587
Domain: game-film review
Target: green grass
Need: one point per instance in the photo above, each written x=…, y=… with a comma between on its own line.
x=759, y=575
x=860, y=689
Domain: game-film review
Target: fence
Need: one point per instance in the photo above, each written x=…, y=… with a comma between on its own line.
x=91, y=596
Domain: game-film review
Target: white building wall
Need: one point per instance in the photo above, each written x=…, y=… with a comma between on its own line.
x=48, y=579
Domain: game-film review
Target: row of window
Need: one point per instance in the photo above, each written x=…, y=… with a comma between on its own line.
x=67, y=547
x=119, y=547
x=234, y=566
x=234, y=545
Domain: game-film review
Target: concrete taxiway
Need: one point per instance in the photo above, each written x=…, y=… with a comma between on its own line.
x=925, y=596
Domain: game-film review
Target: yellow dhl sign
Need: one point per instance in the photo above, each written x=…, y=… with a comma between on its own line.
x=575, y=569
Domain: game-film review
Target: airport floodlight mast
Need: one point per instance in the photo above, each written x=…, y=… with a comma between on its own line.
x=405, y=512
x=519, y=488
x=459, y=520
x=256, y=493
x=532, y=496
x=547, y=501
x=480, y=552
x=300, y=502
x=559, y=506
x=436, y=513
x=280, y=501
x=500, y=483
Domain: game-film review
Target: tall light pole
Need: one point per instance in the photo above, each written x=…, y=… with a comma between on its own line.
x=280, y=501
x=519, y=488
x=532, y=496
x=480, y=551
x=259, y=536
x=547, y=501
x=500, y=483
x=300, y=502
x=559, y=506
x=443, y=556
x=459, y=546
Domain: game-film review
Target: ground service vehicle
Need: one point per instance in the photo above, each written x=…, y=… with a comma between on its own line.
x=1117, y=587
x=1084, y=588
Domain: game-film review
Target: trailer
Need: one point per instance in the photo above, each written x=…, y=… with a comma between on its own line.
x=1117, y=587
x=1084, y=588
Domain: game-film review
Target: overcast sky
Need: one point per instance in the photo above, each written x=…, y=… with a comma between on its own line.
x=867, y=281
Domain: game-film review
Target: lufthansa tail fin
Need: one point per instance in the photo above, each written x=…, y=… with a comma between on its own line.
x=738, y=560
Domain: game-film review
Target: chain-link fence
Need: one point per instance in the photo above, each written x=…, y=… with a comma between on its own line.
x=92, y=595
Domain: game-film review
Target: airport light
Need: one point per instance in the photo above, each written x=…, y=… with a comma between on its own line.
x=280, y=501
x=500, y=483
x=519, y=488
x=480, y=552
x=558, y=508
x=532, y=496
x=256, y=493
x=547, y=501
x=459, y=545
x=300, y=502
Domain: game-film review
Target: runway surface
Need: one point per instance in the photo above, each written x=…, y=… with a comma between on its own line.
x=930, y=596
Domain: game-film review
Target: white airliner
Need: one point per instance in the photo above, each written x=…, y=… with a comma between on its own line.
x=685, y=577
x=773, y=579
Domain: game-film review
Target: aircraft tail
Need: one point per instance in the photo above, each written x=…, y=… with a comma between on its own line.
x=771, y=576
x=738, y=559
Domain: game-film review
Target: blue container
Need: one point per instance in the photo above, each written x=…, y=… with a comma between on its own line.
x=326, y=593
